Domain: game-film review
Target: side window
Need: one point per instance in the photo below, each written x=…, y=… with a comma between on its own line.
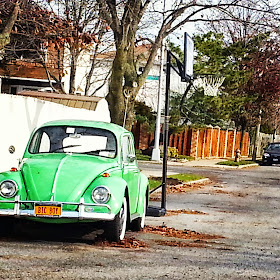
x=131, y=147
x=45, y=143
x=127, y=148
x=40, y=143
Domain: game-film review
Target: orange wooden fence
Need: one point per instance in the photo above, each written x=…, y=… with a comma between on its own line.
x=211, y=142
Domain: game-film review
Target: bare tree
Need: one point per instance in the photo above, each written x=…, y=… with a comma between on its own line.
x=125, y=18
x=31, y=29
x=53, y=33
x=83, y=28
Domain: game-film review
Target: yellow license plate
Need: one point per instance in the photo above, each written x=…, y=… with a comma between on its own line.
x=46, y=210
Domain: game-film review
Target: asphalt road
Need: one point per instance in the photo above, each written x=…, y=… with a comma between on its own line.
x=240, y=207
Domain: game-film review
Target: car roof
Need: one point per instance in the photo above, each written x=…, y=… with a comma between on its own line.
x=116, y=129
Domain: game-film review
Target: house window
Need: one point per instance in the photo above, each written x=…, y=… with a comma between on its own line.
x=13, y=90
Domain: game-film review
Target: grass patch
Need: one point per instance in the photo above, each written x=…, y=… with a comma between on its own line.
x=176, y=179
x=140, y=156
x=233, y=163
x=184, y=178
x=154, y=183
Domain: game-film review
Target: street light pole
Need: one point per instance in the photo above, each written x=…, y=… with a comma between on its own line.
x=156, y=150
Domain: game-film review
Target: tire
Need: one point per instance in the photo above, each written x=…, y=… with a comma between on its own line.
x=139, y=223
x=117, y=228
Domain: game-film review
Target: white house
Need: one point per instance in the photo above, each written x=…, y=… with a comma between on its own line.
x=100, y=83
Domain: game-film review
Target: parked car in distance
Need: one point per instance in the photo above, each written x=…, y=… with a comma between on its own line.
x=75, y=171
x=271, y=154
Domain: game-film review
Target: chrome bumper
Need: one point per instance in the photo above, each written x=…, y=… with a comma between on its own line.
x=80, y=214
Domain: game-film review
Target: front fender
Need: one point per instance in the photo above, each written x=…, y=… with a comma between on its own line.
x=117, y=187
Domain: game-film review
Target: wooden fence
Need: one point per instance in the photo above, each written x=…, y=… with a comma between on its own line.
x=211, y=142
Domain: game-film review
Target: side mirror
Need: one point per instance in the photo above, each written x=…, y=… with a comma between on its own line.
x=131, y=158
x=12, y=149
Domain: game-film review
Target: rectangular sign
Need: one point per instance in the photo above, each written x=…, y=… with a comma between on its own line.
x=153, y=78
x=47, y=210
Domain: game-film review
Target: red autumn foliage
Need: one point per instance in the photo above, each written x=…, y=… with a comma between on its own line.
x=265, y=83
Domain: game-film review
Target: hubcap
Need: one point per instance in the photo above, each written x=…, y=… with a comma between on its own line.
x=123, y=219
x=144, y=215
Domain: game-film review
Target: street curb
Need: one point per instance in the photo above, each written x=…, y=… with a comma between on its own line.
x=234, y=167
x=189, y=164
x=198, y=181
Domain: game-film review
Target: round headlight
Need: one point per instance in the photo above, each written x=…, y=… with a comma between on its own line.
x=266, y=155
x=8, y=189
x=100, y=194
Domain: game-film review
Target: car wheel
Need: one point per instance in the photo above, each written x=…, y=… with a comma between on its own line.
x=117, y=228
x=139, y=223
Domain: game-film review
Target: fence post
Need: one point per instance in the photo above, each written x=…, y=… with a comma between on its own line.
x=185, y=141
x=226, y=139
x=211, y=139
x=194, y=142
x=218, y=141
x=233, y=144
x=203, y=143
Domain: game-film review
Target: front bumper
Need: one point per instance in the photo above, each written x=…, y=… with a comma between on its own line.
x=79, y=214
x=271, y=159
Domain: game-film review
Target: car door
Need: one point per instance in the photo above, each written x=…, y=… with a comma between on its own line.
x=130, y=171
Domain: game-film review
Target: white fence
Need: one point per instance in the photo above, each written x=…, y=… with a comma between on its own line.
x=19, y=116
x=263, y=141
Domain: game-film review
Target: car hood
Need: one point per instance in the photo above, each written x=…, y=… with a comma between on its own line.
x=63, y=176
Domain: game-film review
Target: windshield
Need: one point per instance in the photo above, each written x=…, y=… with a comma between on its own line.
x=274, y=146
x=74, y=139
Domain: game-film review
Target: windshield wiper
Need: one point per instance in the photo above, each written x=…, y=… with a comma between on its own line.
x=64, y=147
x=96, y=152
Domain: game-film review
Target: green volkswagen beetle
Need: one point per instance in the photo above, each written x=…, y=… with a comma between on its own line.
x=78, y=171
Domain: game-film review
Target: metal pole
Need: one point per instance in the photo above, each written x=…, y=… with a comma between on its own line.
x=166, y=127
x=156, y=150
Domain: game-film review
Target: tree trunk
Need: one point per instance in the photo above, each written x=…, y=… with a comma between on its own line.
x=125, y=82
x=115, y=98
x=73, y=70
x=5, y=34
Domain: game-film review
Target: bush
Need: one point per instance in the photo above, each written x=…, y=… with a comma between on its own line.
x=172, y=152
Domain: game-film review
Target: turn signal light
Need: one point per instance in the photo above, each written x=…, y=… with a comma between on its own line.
x=105, y=175
x=13, y=169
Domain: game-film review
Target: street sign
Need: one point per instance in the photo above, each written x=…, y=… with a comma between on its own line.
x=153, y=77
